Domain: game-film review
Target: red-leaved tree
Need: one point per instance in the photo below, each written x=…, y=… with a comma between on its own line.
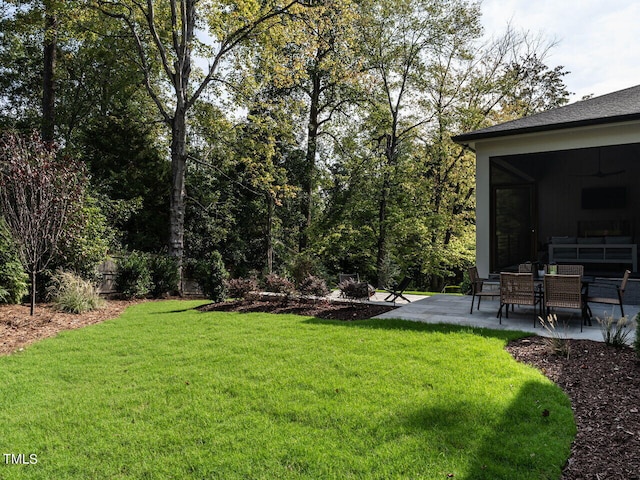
x=38, y=191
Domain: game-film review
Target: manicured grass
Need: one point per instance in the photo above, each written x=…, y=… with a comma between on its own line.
x=168, y=392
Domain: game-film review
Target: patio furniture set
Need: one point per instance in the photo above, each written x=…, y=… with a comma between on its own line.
x=556, y=286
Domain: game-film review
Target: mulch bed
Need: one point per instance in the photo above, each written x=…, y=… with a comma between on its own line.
x=603, y=382
x=313, y=308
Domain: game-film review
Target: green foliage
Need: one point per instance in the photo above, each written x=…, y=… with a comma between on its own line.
x=71, y=293
x=127, y=166
x=303, y=266
x=165, y=275
x=211, y=275
x=385, y=187
x=13, y=278
x=133, y=279
x=87, y=240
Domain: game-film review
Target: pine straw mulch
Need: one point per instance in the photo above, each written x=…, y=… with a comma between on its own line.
x=602, y=382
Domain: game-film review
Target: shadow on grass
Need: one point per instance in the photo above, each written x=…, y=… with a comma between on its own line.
x=533, y=439
x=407, y=325
x=530, y=440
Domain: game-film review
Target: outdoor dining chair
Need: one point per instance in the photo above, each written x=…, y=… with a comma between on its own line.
x=525, y=267
x=517, y=289
x=571, y=270
x=564, y=291
x=477, y=285
x=612, y=299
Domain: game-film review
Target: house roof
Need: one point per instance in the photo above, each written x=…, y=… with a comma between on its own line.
x=620, y=106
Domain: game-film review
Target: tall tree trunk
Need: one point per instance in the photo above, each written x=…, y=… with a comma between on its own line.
x=310, y=163
x=48, y=76
x=177, y=202
x=269, y=233
x=391, y=156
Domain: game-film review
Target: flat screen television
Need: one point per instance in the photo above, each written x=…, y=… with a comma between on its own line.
x=604, y=198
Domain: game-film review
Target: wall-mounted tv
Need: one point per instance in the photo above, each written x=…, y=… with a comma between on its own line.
x=604, y=198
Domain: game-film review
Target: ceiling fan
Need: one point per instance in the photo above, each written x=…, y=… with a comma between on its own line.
x=600, y=173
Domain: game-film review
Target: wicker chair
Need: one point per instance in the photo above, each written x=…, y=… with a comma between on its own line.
x=517, y=289
x=564, y=291
x=525, y=267
x=477, y=284
x=613, y=300
x=571, y=270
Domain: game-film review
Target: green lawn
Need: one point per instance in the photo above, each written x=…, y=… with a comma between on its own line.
x=165, y=391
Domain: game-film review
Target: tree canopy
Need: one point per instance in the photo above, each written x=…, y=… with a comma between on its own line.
x=275, y=132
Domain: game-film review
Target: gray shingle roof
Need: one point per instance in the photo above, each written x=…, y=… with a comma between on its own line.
x=620, y=106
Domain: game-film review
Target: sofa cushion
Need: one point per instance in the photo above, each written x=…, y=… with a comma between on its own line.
x=617, y=240
x=563, y=240
x=591, y=240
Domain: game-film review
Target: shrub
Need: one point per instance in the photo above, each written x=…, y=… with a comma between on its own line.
x=356, y=290
x=277, y=284
x=242, y=287
x=302, y=266
x=70, y=293
x=13, y=279
x=313, y=286
x=558, y=342
x=165, y=275
x=133, y=279
x=86, y=241
x=211, y=275
x=615, y=332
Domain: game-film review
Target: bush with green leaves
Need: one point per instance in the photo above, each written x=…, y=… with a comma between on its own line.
x=86, y=241
x=242, y=287
x=71, y=293
x=165, y=275
x=13, y=278
x=314, y=286
x=211, y=275
x=304, y=265
x=133, y=279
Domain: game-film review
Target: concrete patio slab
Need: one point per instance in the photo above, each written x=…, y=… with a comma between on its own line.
x=454, y=309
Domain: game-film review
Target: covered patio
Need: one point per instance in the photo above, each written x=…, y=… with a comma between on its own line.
x=560, y=186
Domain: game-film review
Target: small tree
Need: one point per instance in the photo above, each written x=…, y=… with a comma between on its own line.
x=38, y=191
